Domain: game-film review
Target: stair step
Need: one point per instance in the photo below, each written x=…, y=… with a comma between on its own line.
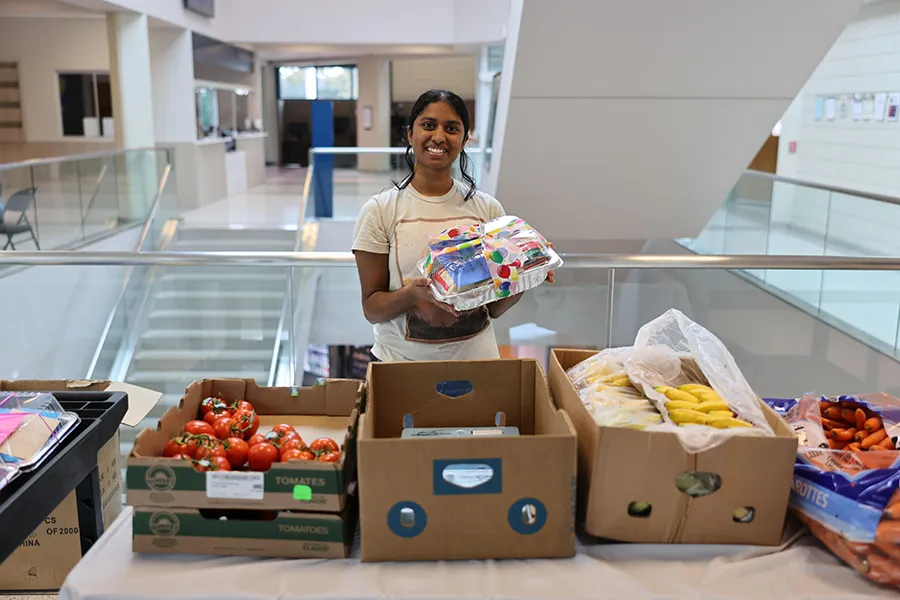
x=230, y=244
x=206, y=298
x=200, y=361
x=252, y=319
x=190, y=234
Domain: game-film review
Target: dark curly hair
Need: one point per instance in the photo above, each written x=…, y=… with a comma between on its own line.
x=459, y=107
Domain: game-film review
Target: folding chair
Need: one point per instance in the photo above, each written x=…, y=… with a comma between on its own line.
x=19, y=202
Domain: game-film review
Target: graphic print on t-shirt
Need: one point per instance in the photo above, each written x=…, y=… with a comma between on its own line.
x=411, y=239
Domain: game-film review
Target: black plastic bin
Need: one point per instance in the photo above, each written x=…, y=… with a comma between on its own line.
x=31, y=497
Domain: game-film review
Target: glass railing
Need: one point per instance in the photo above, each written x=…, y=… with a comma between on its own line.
x=186, y=316
x=69, y=201
x=343, y=179
x=776, y=216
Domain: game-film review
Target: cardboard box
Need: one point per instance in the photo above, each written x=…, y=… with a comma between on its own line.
x=619, y=466
x=282, y=534
x=44, y=560
x=330, y=409
x=518, y=495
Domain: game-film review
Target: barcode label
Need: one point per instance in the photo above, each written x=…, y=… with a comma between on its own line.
x=234, y=486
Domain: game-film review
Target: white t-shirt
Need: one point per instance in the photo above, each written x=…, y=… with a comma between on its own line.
x=399, y=223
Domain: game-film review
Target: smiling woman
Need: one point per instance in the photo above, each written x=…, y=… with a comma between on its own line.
x=392, y=233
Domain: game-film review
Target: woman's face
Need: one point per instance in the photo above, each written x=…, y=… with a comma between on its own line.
x=437, y=136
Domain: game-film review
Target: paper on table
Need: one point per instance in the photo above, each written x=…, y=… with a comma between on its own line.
x=880, y=106
x=9, y=422
x=857, y=107
x=30, y=437
x=892, y=106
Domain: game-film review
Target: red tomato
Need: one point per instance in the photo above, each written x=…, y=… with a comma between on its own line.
x=181, y=457
x=248, y=422
x=236, y=451
x=241, y=406
x=297, y=454
x=225, y=427
x=176, y=446
x=206, y=405
x=283, y=429
x=329, y=457
x=290, y=444
x=209, y=452
x=220, y=463
x=202, y=466
x=256, y=438
x=261, y=456
x=219, y=410
x=324, y=444
x=199, y=428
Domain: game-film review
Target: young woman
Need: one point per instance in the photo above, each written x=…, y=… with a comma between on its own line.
x=392, y=233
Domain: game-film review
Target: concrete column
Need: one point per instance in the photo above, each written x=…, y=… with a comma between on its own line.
x=373, y=113
x=172, y=79
x=270, y=114
x=132, y=95
x=175, y=113
x=483, y=97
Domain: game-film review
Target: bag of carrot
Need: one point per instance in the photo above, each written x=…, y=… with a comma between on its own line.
x=847, y=478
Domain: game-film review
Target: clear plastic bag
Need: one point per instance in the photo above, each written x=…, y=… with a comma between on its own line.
x=847, y=491
x=671, y=351
x=7, y=474
x=32, y=424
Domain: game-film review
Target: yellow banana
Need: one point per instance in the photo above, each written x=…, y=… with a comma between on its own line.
x=710, y=405
x=727, y=414
x=694, y=388
x=728, y=423
x=673, y=394
x=673, y=404
x=709, y=396
x=621, y=382
x=683, y=415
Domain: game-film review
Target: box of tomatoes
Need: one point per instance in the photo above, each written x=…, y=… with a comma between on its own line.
x=232, y=444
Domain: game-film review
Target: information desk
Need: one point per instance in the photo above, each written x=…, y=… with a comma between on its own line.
x=801, y=569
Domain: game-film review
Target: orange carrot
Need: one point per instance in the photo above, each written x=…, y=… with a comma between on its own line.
x=837, y=445
x=854, y=446
x=848, y=415
x=873, y=424
x=860, y=418
x=860, y=435
x=890, y=549
x=842, y=435
x=849, y=404
x=832, y=412
x=873, y=438
x=881, y=569
x=892, y=511
x=888, y=531
x=885, y=444
x=832, y=424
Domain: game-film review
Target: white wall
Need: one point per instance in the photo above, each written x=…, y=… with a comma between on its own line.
x=640, y=116
x=412, y=76
x=57, y=315
x=861, y=155
x=172, y=71
x=43, y=48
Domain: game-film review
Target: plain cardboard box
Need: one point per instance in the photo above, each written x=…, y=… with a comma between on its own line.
x=44, y=560
x=333, y=407
x=618, y=466
x=282, y=534
x=524, y=507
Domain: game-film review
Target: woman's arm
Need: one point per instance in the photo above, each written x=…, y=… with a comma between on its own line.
x=380, y=304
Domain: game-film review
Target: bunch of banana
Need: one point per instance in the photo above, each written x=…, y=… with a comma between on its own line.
x=615, y=402
x=696, y=404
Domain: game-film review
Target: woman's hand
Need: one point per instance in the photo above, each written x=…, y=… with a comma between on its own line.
x=427, y=307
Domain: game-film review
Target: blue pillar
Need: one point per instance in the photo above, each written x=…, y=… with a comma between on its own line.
x=322, y=121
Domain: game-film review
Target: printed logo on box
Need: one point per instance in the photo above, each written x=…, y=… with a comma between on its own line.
x=164, y=524
x=160, y=478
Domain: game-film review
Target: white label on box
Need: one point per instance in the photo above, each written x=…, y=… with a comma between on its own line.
x=234, y=486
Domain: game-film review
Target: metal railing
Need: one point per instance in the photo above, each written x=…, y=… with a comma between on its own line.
x=56, y=160
x=345, y=260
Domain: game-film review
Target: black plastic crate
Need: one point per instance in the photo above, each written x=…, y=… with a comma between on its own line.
x=31, y=497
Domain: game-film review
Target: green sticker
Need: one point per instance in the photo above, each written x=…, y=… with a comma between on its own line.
x=302, y=493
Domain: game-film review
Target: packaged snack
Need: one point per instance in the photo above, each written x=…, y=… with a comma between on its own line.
x=847, y=478
x=473, y=266
x=32, y=424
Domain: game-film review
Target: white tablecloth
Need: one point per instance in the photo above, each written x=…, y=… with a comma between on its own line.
x=801, y=570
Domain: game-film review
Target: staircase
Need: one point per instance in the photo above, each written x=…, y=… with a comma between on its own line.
x=206, y=322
